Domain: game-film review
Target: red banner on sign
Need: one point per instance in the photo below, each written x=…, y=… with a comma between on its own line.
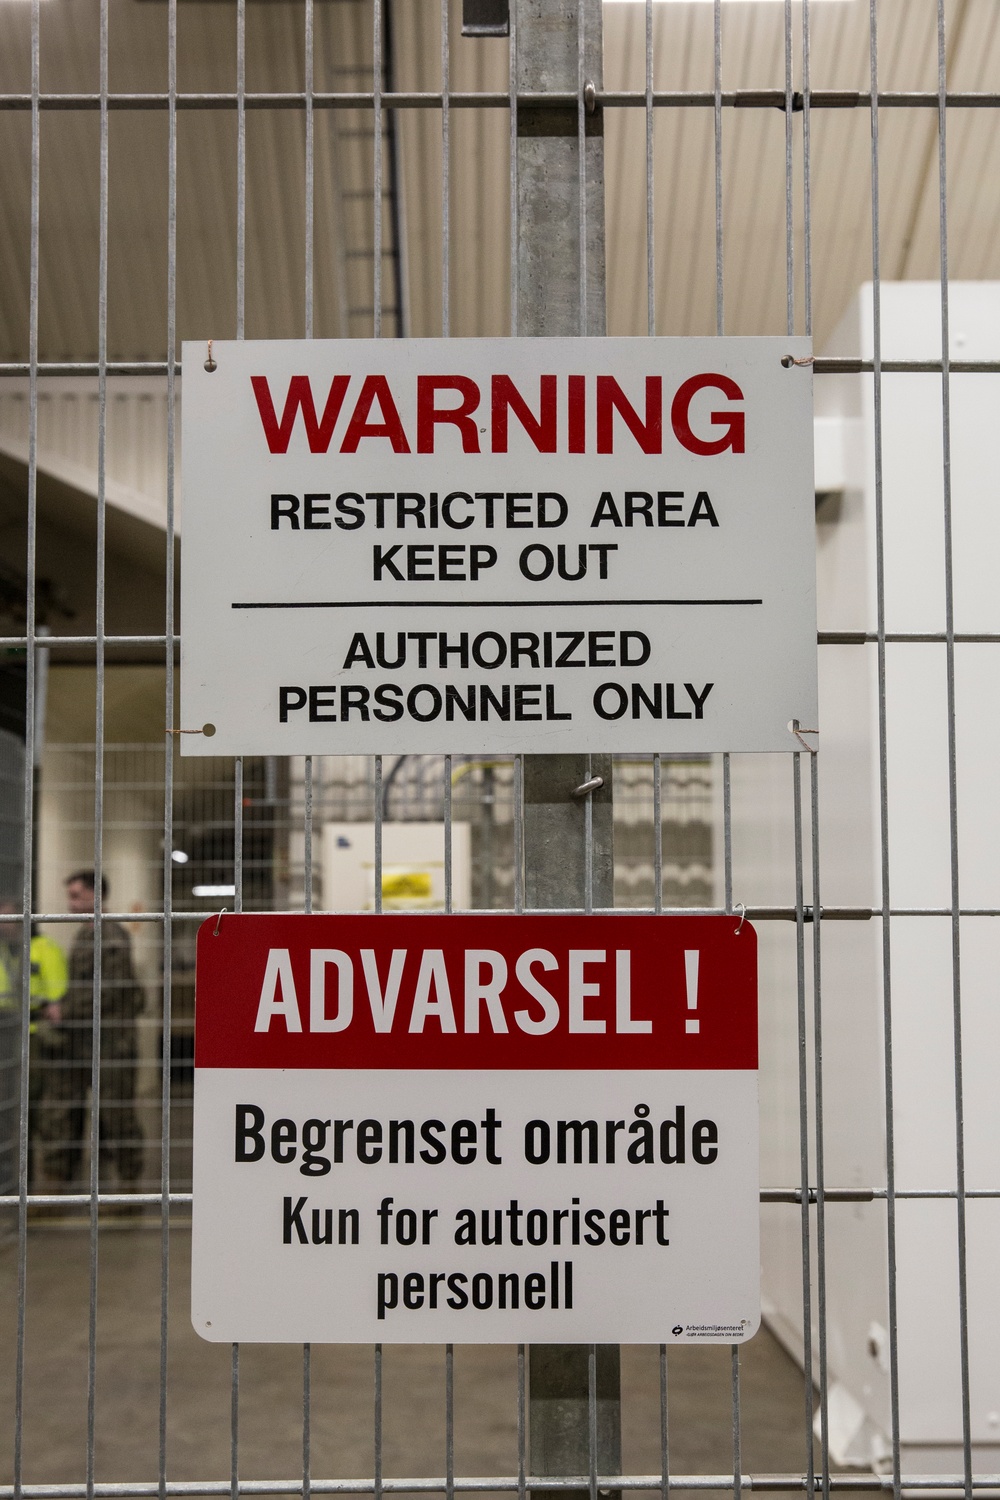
x=476, y=992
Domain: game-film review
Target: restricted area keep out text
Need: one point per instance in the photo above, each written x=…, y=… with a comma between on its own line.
x=498, y=545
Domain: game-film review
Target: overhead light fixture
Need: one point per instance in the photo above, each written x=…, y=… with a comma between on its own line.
x=179, y=857
x=213, y=890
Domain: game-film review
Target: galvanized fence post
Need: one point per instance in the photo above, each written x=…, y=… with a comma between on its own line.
x=559, y=288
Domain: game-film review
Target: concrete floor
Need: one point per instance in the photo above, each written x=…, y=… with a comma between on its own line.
x=270, y=1409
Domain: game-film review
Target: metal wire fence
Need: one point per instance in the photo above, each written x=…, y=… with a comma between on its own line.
x=202, y=862
x=253, y=828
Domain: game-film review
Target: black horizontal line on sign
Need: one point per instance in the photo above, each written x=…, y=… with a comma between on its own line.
x=474, y=604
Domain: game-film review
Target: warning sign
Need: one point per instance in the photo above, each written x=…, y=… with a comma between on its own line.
x=495, y=545
x=476, y=1129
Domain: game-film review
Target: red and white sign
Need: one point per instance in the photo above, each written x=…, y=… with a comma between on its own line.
x=476, y=1129
x=492, y=545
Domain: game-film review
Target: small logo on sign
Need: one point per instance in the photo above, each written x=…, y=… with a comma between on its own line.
x=676, y=1329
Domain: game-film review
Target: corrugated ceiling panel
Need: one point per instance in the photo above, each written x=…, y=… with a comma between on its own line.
x=69, y=219
x=754, y=218
x=754, y=199
x=841, y=213
x=15, y=208
x=137, y=240
x=625, y=187
x=420, y=145
x=206, y=225
x=275, y=225
x=973, y=179
x=418, y=67
x=480, y=238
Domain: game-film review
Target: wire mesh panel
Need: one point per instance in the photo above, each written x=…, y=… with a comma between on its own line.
x=344, y=168
x=12, y=841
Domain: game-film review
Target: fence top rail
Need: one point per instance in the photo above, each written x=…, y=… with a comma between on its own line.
x=770, y=1483
x=752, y=913
x=821, y=365
x=501, y=99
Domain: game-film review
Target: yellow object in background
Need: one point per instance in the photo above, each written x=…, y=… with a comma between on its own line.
x=49, y=971
x=406, y=887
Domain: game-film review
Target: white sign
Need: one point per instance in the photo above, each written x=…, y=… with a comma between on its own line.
x=489, y=545
x=476, y=1129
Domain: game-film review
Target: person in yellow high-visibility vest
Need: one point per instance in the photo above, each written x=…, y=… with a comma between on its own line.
x=10, y=958
x=10, y=988
x=49, y=974
x=48, y=985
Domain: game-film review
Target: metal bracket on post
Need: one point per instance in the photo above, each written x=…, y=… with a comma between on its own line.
x=558, y=1377
x=485, y=18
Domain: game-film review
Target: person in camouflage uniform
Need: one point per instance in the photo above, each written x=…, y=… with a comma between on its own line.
x=69, y=1047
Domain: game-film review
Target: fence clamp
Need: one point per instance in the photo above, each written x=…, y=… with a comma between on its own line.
x=586, y=787
x=485, y=18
